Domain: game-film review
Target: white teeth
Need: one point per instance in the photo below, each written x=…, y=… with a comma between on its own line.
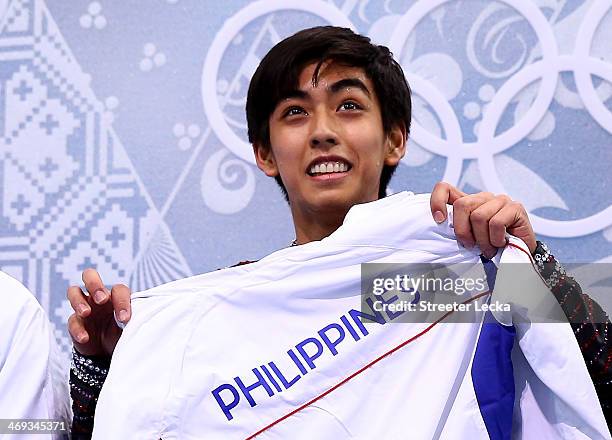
x=329, y=167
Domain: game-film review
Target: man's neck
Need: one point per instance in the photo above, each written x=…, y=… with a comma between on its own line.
x=310, y=226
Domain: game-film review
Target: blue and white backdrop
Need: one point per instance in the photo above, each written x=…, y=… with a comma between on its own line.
x=123, y=139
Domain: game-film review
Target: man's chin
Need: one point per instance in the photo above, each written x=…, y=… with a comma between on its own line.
x=336, y=201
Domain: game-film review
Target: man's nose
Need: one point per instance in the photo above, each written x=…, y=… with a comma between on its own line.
x=324, y=131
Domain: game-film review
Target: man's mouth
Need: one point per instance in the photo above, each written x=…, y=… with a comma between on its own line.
x=329, y=167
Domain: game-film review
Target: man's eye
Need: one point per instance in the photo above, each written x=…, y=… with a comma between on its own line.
x=349, y=105
x=292, y=111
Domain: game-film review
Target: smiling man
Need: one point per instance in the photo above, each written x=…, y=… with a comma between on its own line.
x=327, y=146
x=333, y=127
x=328, y=115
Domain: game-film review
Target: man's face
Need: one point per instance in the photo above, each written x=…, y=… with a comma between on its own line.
x=328, y=143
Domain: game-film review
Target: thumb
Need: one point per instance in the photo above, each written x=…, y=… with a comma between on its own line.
x=522, y=229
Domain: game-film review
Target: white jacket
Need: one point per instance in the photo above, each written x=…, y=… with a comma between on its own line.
x=273, y=348
x=33, y=382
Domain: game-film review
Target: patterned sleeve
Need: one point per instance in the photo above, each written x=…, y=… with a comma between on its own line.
x=87, y=375
x=589, y=321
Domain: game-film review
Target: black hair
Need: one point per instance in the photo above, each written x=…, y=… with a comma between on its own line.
x=279, y=71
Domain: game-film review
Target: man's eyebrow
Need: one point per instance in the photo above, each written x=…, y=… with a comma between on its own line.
x=295, y=93
x=349, y=82
x=334, y=88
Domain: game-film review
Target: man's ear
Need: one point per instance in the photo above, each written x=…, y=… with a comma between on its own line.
x=265, y=159
x=396, y=145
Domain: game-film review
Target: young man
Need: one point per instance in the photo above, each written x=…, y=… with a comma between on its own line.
x=329, y=116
